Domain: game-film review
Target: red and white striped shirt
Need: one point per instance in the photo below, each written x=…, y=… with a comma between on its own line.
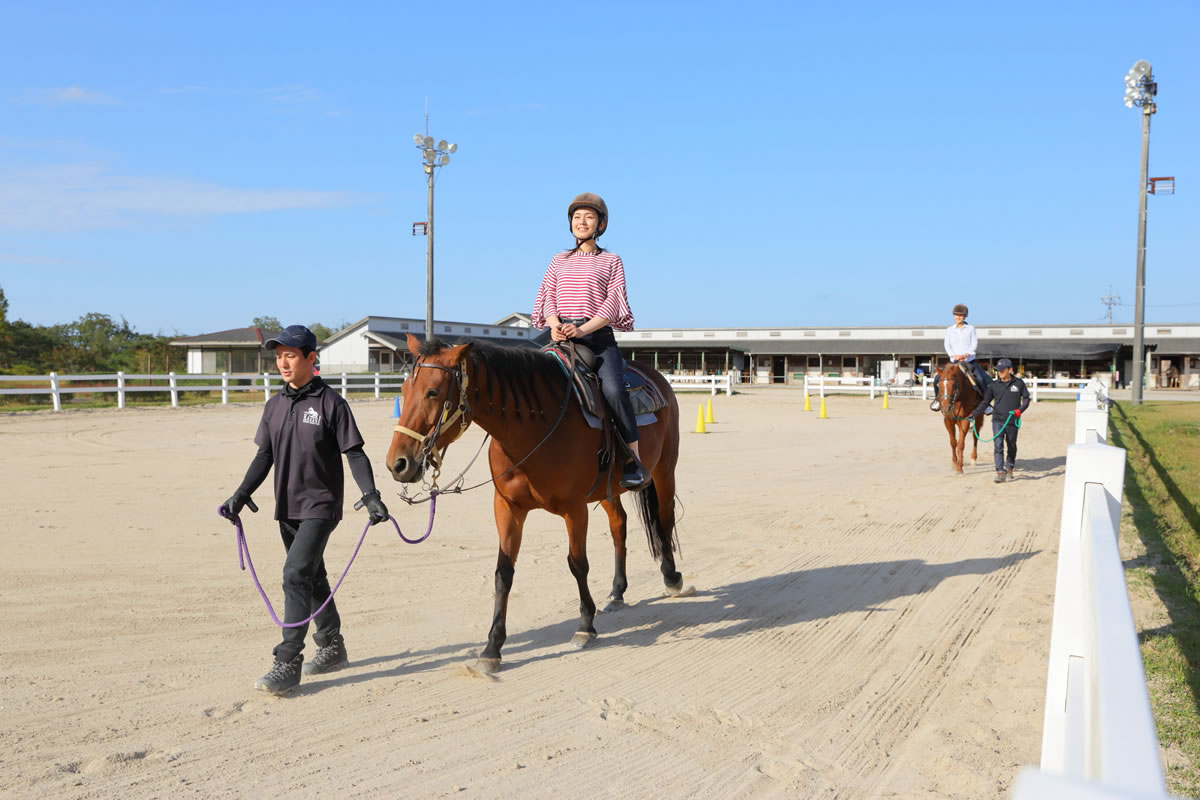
x=580, y=285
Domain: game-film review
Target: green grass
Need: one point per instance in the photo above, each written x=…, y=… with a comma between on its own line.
x=1162, y=495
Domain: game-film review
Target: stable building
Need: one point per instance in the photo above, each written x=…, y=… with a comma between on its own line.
x=380, y=344
x=786, y=355
x=238, y=350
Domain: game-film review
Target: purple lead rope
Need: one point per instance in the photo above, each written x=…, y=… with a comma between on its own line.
x=244, y=559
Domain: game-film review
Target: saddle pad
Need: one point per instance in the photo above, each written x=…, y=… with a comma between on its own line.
x=644, y=394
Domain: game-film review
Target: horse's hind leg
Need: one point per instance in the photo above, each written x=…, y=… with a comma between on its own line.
x=509, y=524
x=617, y=524
x=577, y=525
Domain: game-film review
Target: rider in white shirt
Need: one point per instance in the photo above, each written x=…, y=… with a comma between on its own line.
x=962, y=342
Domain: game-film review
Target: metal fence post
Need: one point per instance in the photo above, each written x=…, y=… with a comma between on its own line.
x=376, y=385
x=120, y=390
x=343, y=385
x=174, y=390
x=224, y=388
x=57, y=398
x=266, y=386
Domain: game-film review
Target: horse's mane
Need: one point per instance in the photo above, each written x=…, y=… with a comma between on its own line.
x=512, y=372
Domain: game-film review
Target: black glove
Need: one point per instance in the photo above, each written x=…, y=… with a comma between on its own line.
x=375, y=507
x=233, y=506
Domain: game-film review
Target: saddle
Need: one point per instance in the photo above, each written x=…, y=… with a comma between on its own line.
x=645, y=395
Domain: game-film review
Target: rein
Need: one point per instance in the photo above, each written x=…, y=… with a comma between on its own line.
x=244, y=559
x=996, y=435
x=428, y=450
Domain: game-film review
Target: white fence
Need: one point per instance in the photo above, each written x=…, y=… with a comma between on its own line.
x=822, y=385
x=173, y=384
x=1098, y=737
x=711, y=383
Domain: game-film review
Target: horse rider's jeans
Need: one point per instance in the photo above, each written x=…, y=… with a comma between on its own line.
x=610, y=367
x=305, y=584
x=1010, y=436
x=981, y=377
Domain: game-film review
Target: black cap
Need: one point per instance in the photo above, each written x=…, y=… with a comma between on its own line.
x=1004, y=363
x=296, y=336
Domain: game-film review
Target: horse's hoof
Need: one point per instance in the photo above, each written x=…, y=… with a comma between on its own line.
x=614, y=604
x=677, y=589
x=582, y=639
x=488, y=665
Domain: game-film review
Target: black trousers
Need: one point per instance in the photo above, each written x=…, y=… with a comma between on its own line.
x=610, y=367
x=305, y=584
x=1009, y=436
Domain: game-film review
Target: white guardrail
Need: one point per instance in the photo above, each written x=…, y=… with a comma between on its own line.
x=925, y=389
x=1098, y=736
x=171, y=383
x=712, y=383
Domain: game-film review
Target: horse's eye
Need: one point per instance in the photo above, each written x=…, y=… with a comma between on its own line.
x=432, y=393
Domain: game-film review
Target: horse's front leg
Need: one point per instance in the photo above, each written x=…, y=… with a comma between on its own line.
x=617, y=519
x=955, y=455
x=975, y=439
x=577, y=525
x=510, y=522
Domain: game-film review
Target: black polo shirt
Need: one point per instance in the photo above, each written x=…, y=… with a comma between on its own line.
x=306, y=436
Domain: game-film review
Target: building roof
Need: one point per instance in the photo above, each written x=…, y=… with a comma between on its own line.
x=235, y=337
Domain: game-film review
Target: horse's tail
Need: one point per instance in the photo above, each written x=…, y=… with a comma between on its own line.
x=660, y=539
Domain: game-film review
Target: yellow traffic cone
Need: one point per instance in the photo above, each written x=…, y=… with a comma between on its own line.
x=885, y=403
x=807, y=401
x=700, y=420
x=822, y=414
x=708, y=417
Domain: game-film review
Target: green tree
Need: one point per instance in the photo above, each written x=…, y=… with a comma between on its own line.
x=320, y=331
x=267, y=323
x=95, y=343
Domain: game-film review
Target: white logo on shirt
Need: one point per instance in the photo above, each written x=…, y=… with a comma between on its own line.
x=1013, y=388
x=311, y=417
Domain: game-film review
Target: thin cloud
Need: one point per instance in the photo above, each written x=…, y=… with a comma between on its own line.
x=14, y=258
x=69, y=95
x=88, y=196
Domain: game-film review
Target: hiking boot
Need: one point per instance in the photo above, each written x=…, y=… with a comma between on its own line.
x=1010, y=471
x=328, y=658
x=283, y=677
x=1000, y=476
x=634, y=475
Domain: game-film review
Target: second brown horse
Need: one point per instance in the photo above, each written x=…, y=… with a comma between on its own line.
x=543, y=455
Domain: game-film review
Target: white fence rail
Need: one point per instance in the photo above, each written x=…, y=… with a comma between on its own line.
x=711, y=383
x=1098, y=737
x=93, y=383
x=822, y=385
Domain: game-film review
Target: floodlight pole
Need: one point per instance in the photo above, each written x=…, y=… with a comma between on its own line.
x=429, y=258
x=1139, y=303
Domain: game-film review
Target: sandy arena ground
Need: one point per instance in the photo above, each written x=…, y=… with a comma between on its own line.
x=865, y=622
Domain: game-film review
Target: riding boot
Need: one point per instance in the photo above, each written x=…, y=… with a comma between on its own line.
x=634, y=476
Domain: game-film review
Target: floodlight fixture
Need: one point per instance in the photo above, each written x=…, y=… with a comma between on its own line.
x=452, y=149
x=418, y=139
x=429, y=141
x=442, y=145
x=1140, y=68
x=444, y=160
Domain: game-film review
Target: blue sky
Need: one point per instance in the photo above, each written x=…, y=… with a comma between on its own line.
x=190, y=166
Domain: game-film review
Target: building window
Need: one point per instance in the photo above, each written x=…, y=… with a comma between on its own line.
x=403, y=326
x=503, y=332
x=1077, y=331
x=1120, y=332
x=1035, y=333
x=709, y=334
x=843, y=333
x=774, y=333
x=487, y=331
x=741, y=333
x=646, y=334
x=466, y=330
x=1163, y=331
x=676, y=334
x=918, y=333
x=814, y=362
x=810, y=333
x=849, y=362
x=446, y=328
x=994, y=333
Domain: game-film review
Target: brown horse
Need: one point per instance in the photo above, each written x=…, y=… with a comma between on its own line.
x=542, y=455
x=957, y=398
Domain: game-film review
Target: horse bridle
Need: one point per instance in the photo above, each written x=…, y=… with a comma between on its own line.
x=947, y=401
x=429, y=450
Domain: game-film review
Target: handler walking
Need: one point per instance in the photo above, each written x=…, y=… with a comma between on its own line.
x=1009, y=398
x=304, y=431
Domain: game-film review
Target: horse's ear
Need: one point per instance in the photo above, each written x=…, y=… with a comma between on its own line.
x=459, y=352
x=414, y=345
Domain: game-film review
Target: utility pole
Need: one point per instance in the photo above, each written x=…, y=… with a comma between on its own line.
x=432, y=156
x=1140, y=90
x=1110, y=300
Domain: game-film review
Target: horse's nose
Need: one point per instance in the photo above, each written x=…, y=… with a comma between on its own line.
x=398, y=467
